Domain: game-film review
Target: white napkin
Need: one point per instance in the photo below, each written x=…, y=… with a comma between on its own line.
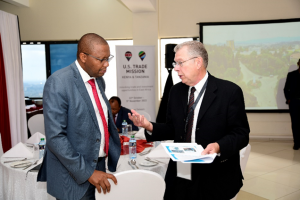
x=18, y=151
x=35, y=138
x=140, y=134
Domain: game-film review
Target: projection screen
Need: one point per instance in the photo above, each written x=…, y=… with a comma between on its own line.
x=256, y=55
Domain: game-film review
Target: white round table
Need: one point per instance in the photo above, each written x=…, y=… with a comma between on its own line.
x=14, y=185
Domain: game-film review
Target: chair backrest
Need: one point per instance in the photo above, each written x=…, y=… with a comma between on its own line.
x=135, y=185
x=36, y=124
x=244, y=155
x=146, y=115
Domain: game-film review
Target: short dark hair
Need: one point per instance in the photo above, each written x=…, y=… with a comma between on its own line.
x=115, y=98
x=87, y=42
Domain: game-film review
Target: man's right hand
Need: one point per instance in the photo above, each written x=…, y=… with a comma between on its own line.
x=99, y=180
x=140, y=120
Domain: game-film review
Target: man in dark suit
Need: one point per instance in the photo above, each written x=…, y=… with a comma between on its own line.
x=79, y=126
x=120, y=114
x=218, y=122
x=292, y=95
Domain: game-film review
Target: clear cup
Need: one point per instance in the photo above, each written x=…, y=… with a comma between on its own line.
x=36, y=151
x=125, y=148
x=129, y=128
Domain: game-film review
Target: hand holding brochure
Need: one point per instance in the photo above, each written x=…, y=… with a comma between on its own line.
x=187, y=153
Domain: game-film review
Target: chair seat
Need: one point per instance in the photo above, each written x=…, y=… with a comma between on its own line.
x=135, y=185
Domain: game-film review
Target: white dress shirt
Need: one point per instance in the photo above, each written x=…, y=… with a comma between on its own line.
x=85, y=77
x=198, y=88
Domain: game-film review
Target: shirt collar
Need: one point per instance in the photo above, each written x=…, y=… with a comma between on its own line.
x=199, y=85
x=85, y=76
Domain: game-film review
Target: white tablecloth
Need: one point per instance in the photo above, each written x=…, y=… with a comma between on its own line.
x=15, y=186
x=159, y=168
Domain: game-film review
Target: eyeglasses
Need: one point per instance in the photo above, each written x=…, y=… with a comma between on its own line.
x=104, y=59
x=180, y=63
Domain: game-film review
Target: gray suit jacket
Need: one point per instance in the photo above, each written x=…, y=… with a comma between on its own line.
x=73, y=135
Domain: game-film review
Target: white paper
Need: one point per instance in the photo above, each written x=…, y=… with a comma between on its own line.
x=187, y=153
x=18, y=151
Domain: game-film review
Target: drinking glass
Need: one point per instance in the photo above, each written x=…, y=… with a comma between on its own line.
x=129, y=128
x=125, y=148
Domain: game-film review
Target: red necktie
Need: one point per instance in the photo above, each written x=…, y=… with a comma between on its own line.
x=106, y=133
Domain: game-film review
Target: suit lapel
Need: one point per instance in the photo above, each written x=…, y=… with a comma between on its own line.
x=83, y=92
x=101, y=84
x=184, y=92
x=208, y=98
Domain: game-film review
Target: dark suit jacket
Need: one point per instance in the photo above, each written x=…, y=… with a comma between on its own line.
x=292, y=85
x=221, y=119
x=123, y=115
x=73, y=135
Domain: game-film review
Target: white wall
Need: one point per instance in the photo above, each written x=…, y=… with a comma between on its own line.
x=179, y=18
x=70, y=19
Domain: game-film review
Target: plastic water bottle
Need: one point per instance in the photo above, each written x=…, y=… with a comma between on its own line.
x=42, y=145
x=124, y=128
x=132, y=148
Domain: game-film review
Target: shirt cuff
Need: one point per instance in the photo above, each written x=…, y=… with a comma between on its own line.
x=150, y=133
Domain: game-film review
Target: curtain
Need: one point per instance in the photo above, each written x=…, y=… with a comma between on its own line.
x=11, y=52
x=4, y=115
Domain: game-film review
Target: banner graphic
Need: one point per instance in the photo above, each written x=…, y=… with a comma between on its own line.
x=136, y=78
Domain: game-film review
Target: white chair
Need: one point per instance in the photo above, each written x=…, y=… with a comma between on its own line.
x=36, y=124
x=146, y=115
x=244, y=155
x=135, y=185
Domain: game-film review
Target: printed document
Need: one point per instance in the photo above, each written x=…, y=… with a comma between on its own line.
x=187, y=153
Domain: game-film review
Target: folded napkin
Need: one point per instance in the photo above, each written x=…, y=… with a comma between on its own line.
x=35, y=138
x=140, y=134
x=31, y=108
x=18, y=151
x=140, y=144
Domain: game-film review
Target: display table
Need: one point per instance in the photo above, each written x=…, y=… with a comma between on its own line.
x=14, y=185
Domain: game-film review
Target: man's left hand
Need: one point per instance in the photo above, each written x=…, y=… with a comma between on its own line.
x=99, y=180
x=211, y=149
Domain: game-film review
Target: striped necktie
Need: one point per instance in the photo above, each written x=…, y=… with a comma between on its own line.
x=191, y=116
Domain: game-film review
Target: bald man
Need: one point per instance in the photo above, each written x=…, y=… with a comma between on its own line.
x=79, y=126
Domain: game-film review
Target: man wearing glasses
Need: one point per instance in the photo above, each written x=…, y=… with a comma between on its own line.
x=208, y=111
x=79, y=126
